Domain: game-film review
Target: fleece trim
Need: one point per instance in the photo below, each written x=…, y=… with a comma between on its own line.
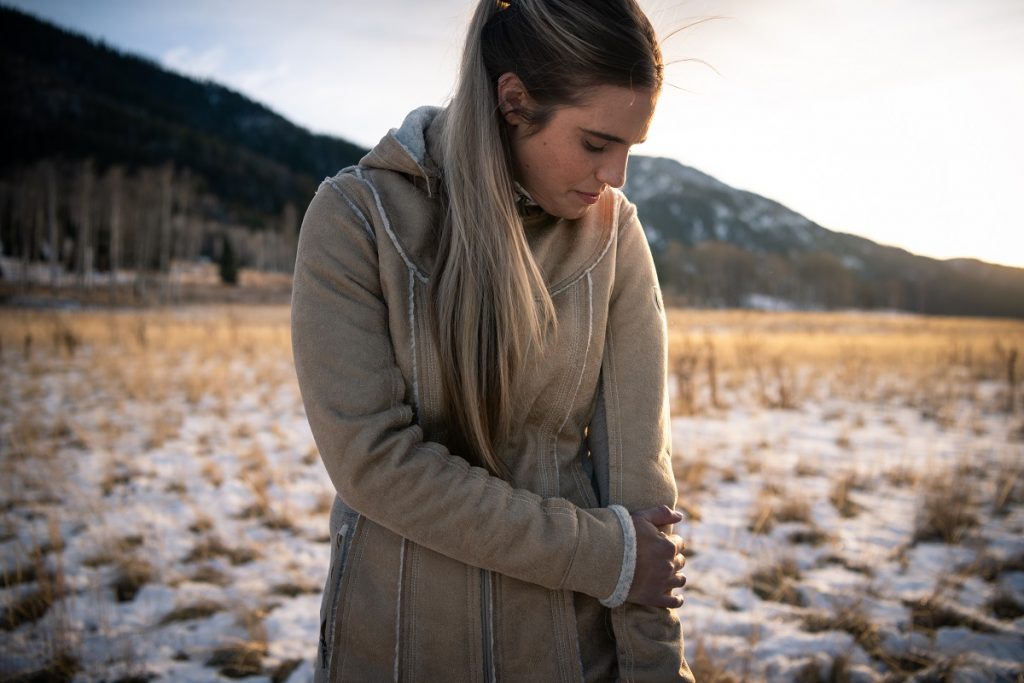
x=618, y=596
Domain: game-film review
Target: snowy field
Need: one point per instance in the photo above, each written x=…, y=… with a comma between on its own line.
x=854, y=485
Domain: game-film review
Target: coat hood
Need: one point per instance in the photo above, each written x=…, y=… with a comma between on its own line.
x=404, y=171
x=413, y=149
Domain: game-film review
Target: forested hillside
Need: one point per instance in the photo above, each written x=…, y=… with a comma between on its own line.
x=114, y=167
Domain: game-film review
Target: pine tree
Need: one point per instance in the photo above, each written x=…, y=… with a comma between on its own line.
x=228, y=263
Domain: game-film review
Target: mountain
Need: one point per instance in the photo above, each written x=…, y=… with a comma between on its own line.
x=717, y=245
x=242, y=172
x=65, y=96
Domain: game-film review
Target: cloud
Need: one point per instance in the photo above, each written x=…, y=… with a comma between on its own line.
x=257, y=80
x=208, y=63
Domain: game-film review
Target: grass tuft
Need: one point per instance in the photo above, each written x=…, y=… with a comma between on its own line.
x=777, y=582
x=238, y=660
x=840, y=497
x=196, y=610
x=931, y=614
x=946, y=509
x=132, y=574
x=707, y=668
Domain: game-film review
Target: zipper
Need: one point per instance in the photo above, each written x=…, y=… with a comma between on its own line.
x=327, y=641
x=486, y=617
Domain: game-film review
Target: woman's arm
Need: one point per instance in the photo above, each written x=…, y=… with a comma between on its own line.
x=630, y=441
x=375, y=452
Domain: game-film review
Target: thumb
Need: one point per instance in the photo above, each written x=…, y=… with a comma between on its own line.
x=659, y=516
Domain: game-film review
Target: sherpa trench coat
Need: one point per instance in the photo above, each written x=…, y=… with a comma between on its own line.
x=440, y=571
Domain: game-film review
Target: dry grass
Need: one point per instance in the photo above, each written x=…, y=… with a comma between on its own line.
x=204, y=359
x=132, y=574
x=774, y=506
x=901, y=476
x=200, y=609
x=830, y=669
x=707, y=666
x=213, y=546
x=947, y=507
x=852, y=619
x=933, y=613
x=1009, y=485
x=1004, y=606
x=812, y=535
x=936, y=360
x=777, y=582
x=259, y=476
x=840, y=498
x=805, y=468
x=239, y=659
x=211, y=575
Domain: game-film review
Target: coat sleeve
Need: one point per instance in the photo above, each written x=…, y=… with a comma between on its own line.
x=375, y=452
x=630, y=441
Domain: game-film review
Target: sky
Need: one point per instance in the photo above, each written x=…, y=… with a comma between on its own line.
x=897, y=120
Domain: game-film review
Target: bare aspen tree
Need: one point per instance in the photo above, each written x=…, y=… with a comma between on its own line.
x=20, y=216
x=84, y=220
x=183, y=193
x=258, y=242
x=50, y=183
x=146, y=218
x=115, y=181
x=289, y=232
x=166, y=190
x=39, y=214
x=6, y=214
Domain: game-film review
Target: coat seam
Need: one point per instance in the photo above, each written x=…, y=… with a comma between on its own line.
x=344, y=607
x=409, y=263
x=412, y=334
x=548, y=426
x=398, y=608
x=583, y=370
x=612, y=235
x=332, y=183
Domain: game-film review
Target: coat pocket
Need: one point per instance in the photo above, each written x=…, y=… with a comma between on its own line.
x=340, y=543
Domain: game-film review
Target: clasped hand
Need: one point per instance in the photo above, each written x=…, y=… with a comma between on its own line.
x=659, y=559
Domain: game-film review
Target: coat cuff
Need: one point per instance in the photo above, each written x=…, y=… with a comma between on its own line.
x=618, y=596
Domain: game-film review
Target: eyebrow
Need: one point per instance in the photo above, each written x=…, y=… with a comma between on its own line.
x=611, y=138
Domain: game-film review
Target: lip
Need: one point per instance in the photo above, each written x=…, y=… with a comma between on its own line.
x=589, y=197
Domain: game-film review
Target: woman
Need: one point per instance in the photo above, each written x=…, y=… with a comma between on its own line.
x=480, y=344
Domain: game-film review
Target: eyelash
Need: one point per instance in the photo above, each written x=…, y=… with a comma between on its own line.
x=591, y=148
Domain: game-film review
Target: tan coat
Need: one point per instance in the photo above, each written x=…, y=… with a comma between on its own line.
x=439, y=571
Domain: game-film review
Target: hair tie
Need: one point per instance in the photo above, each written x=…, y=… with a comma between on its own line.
x=502, y=5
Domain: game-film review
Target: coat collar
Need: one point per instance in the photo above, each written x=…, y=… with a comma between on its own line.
x=564, y=249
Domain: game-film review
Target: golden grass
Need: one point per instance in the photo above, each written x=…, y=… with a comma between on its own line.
x=777, y=582
x=947, y=507
x=778, y=358
x=718, y=358
x=708, y=666
x=202, y=359
x=840, y=497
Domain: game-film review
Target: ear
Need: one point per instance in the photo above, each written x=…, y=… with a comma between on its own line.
x=513, y=99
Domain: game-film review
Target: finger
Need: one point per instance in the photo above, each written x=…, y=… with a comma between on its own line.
x=680, y=561
x=660, y=516
x=678, y=580
x=668, y=600
x=678, y=543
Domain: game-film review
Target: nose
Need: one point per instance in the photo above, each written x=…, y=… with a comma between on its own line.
x=613, y=171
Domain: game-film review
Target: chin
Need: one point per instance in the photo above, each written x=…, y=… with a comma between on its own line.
x=571, y=214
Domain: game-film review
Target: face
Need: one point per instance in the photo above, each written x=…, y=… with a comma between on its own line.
x=581, y=151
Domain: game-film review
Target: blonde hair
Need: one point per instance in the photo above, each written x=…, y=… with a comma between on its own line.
x=490, y=304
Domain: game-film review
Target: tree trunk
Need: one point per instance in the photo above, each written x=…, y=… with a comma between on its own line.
x=115, y=178
x=50, y=181
x=85, y=190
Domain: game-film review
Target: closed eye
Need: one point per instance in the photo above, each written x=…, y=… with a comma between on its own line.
x=593, y=148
